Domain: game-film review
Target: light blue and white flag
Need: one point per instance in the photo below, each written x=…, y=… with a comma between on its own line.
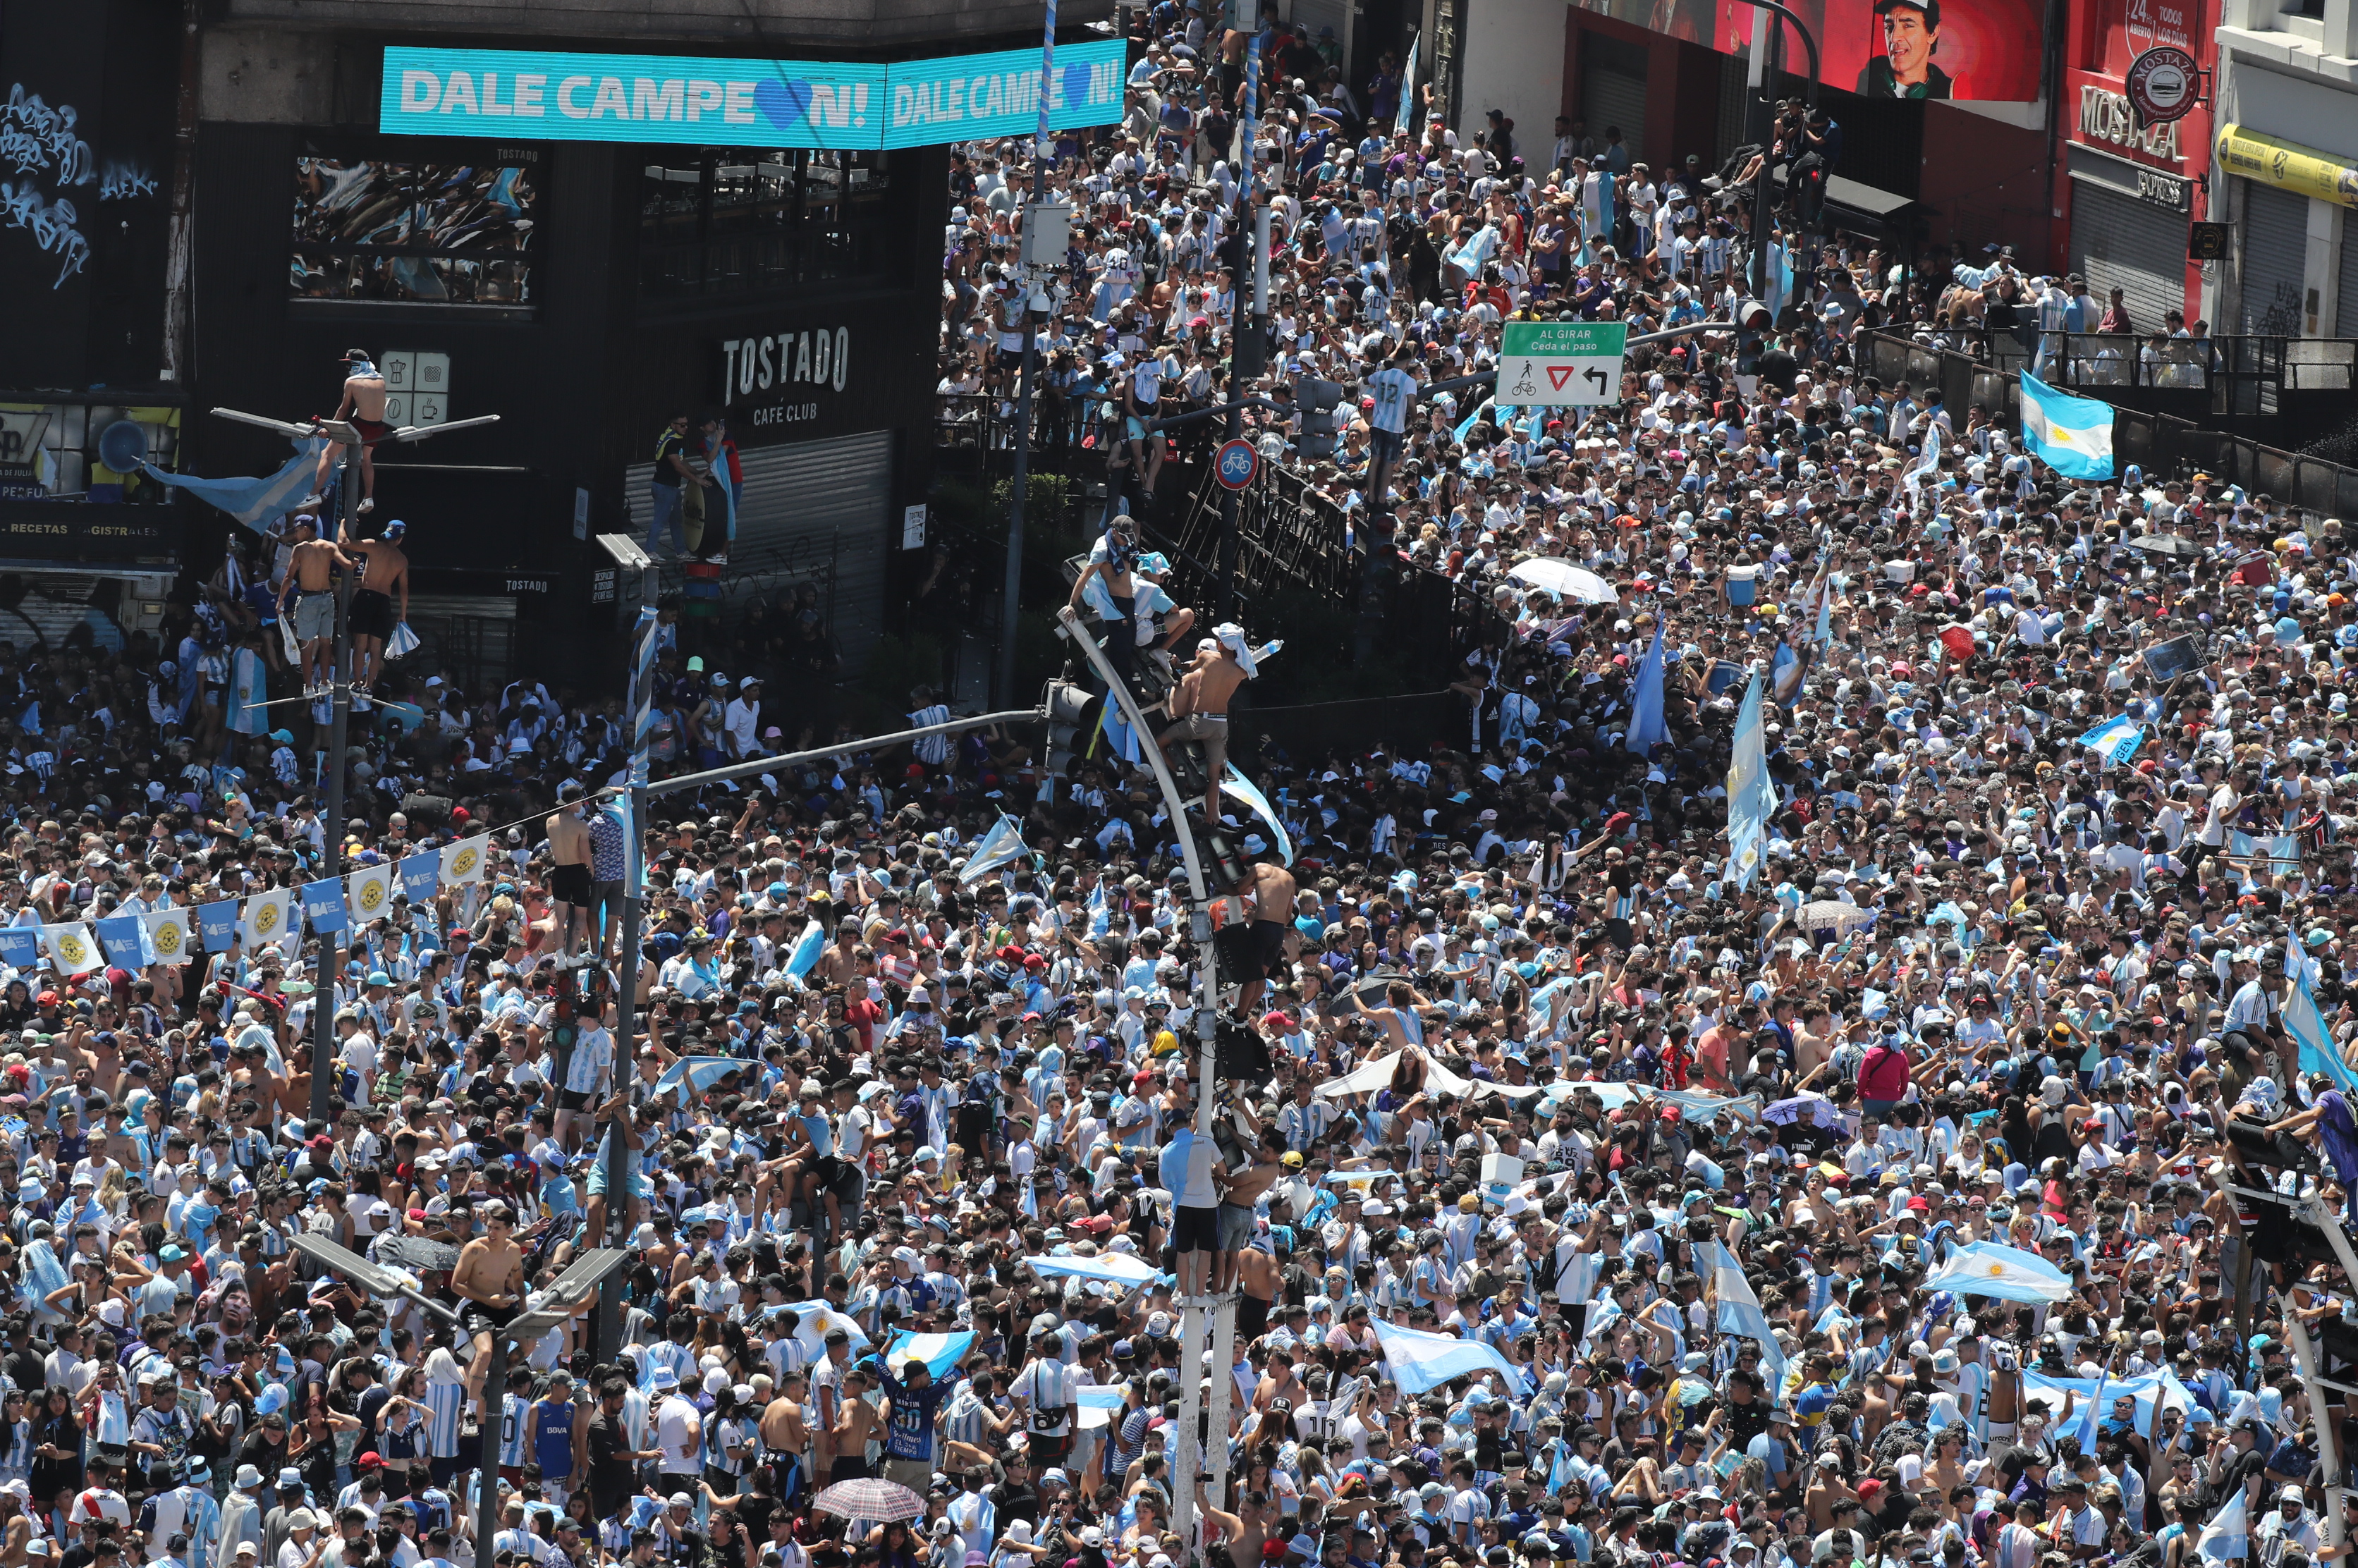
x=1421, y=1360
x=1003, y=846
x=808, y=949
x=2006, y=1273
x=2092, y=1414
x=1737, y=1311
x=1125, y=1269
x=252, y=502
x=1647, y=728
x=1405, y=120
x=941, y=1353
x=2073, y=435
x=1234, y=783
x=2228, y=1535
x=2116, y=740
x=1248, y=132
x=2319, y=1053
x=1751, y=797
x=699, y=1072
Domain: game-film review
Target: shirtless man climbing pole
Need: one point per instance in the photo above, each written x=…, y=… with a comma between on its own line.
x=385, y=571
x=1200, y=704
x=1257, y=950
x=490, y=1275
x=571, y=888
x=310, y=581
x=362, y=407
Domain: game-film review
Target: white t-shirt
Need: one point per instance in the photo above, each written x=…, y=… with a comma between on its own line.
x=679, y=1434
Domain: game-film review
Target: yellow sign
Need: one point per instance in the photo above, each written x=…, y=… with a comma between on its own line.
x=2287, y=166
x=166, y=937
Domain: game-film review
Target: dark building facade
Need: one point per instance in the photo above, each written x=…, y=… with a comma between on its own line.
x=583, y=291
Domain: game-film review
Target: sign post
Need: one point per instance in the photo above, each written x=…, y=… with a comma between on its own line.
x=1561, y=363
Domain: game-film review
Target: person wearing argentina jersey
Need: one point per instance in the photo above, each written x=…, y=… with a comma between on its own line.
x=515, y=1424
x=591, y=1070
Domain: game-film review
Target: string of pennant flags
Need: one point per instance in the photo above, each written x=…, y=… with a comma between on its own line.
x=177, y=935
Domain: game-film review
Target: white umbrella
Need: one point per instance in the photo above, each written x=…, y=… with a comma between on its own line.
x=1832, y=914
x=1564, y=579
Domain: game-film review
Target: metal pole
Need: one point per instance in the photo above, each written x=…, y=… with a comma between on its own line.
x=487, y=1459
x=1011, y=594
x=340, y=703
x=764, y=764
x=1193, y=1320
x=607, y=1327
x=1763, y=114
x=2328, y=1474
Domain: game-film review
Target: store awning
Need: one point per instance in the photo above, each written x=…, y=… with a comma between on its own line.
x=2288, y=166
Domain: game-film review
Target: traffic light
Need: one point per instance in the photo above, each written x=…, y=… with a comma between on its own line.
x=1073, y=715
x=1322, y=421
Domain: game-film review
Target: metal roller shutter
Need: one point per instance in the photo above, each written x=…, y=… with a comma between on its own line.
x=2274, y=241
x=813, y=512
x=2118, y=241
x=1613, y=90
x=2345, y=310
x=1309, y=16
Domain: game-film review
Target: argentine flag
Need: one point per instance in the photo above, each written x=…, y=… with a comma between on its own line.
x=2116, y=740
x=1003, y=846
x=1235, y=783
x=2319, y=1053
x=1751, y=797
x=2228, y=1534
x=808, y=949
x=2073, y=435
x=2006, y=1273
x=1739, y=1313
x=252, y=502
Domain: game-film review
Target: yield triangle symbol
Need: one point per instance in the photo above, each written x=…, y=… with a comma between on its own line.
x=1558, y=375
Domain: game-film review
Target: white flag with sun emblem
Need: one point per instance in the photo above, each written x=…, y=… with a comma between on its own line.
x=71, y=948
x=368, y=893
x=172, y=933
x=465, y=861
x=269, y=917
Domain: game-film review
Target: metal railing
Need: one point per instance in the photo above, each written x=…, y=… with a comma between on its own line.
x=2244, y=374
x=2162, y=444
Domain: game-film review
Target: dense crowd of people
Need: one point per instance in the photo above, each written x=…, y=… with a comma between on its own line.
x=1760, y=1094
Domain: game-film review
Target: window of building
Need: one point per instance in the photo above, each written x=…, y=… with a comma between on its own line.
x=726, y=221
x=444, y=232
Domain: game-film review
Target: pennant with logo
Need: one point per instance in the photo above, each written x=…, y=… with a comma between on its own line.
x=125, y=939
x=466, y=860
x=269, y=917
x=71, y=948
x=419, y=875
x=20, y=946
x=171, y=936
x=217, y=926
x=368, y=892
x=323, y=905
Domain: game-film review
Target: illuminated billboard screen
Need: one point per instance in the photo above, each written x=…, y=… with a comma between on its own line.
x=1982, y=49
x=544, y=95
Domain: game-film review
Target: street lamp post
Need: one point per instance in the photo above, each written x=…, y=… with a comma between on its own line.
x=323, y=980
x=632, y=558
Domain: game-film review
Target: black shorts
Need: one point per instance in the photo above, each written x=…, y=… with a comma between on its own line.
x=371, y=613
x=1252, y=952
x=571, y=884
x=1384, y=446
x=573, y=1099
x=1195, y=1230
x=482, y=1319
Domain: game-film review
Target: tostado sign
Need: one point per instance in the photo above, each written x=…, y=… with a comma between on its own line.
x=783, y=378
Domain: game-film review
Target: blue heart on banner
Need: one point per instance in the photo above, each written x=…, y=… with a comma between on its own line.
x=1076, y=85
x=783, y=104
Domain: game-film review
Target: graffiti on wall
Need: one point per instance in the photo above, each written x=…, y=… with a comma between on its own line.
x=45, y=159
